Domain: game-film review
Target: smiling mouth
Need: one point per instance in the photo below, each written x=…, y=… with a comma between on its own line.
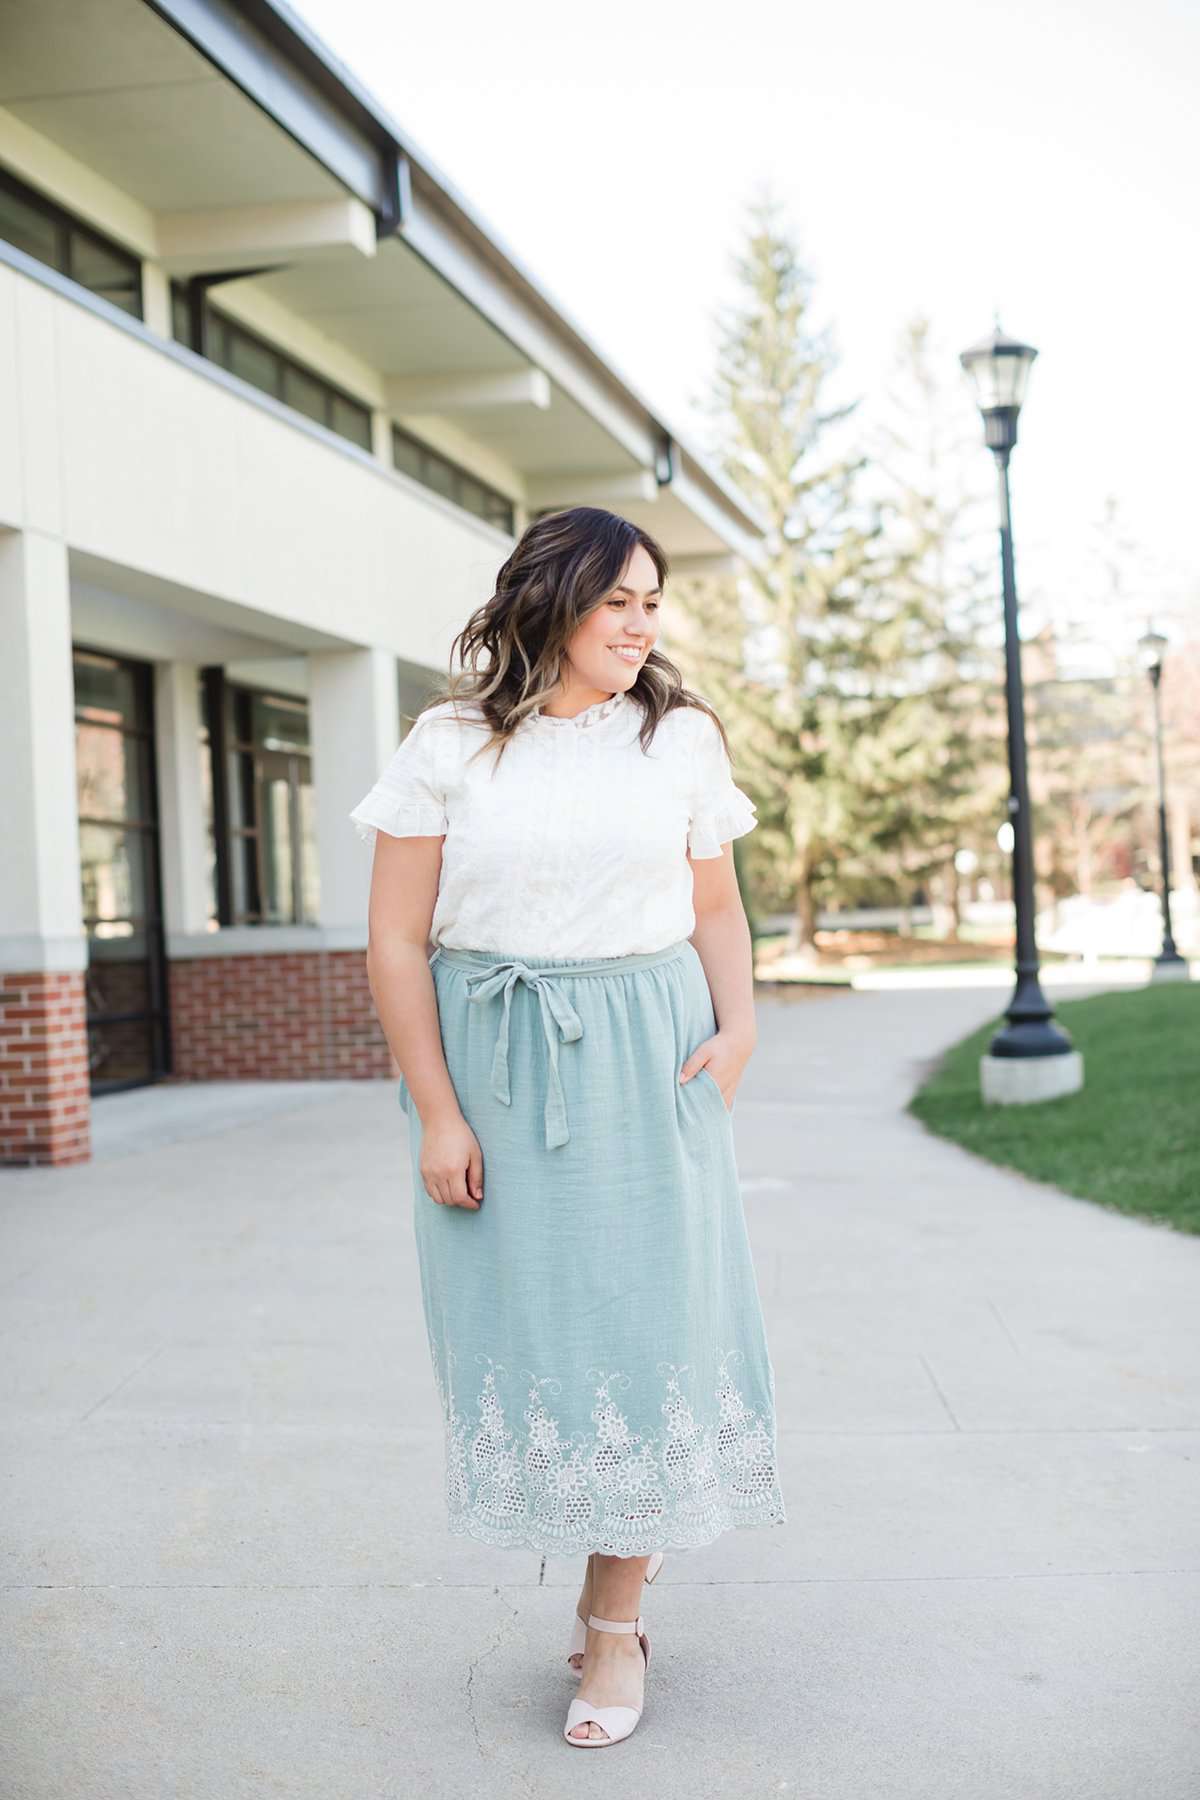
x=629, y=655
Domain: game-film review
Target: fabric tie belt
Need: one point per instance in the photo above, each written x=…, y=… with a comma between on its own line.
x=488, y=975
x=560, y=1023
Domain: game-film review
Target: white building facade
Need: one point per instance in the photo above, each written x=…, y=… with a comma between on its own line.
x=273, y=406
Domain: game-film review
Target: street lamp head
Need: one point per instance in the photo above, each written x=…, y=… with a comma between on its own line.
x=1152, y=647
x=998, y=367
x=999, y=370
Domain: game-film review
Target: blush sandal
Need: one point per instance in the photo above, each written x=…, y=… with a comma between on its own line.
x=579, y=1628
x=617, y=1721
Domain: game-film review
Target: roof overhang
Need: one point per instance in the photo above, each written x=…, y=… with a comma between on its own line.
x=234, y=142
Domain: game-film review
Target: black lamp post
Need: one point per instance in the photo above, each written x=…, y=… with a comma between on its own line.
x=999, y=371
x=1152, y=648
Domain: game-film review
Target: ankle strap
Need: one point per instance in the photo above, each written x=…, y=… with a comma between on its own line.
x=616, y=1624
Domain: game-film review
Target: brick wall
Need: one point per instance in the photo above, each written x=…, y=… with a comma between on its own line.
x=293, y=1017
x=290, y=1017
x=45, y=1110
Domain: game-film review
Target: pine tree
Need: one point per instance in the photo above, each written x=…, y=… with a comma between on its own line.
x=849, y=659
x=938, y=650
x=769, y=652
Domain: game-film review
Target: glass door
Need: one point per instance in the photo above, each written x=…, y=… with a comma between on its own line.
x=118, y=852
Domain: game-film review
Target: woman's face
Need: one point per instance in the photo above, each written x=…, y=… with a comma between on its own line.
x=625, y=620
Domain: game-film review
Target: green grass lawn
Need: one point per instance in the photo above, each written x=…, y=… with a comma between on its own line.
x=1130, y=1140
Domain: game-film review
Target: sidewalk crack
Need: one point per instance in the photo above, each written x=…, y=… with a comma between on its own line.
x=488, y=1650
x=1003, y=1324
x=938, y=1391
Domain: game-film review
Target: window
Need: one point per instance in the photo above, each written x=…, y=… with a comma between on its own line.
x=263, y=817
x=42, y=229
x=435, y=471
x=264, y=366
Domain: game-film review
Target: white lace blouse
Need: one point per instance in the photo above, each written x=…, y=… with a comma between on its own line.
x=575, y=845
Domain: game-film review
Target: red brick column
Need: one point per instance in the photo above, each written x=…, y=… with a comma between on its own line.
x=291, y=1016
x=45, y=1105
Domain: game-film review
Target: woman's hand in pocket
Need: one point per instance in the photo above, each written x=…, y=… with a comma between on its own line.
x=724, y=1058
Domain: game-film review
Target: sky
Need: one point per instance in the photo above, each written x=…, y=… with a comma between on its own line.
x=956, y=158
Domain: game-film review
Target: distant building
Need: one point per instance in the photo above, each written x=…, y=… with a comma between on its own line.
x=273, y=404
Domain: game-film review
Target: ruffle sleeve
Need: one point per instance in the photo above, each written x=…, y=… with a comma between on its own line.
x=718, y=810
x=409, y=798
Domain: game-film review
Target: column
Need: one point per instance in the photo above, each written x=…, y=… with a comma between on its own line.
x=45, y=1108
x=183, y=833
x=354, y=718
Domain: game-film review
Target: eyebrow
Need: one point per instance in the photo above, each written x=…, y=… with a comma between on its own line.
x=633, y=591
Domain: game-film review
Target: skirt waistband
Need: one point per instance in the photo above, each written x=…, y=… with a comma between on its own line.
x=590, y=965
x=491, y=973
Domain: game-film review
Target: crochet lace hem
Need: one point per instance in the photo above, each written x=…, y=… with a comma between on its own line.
x=529, y=1482
x=665, y=1536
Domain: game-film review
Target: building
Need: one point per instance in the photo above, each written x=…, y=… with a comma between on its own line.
x=273, y=404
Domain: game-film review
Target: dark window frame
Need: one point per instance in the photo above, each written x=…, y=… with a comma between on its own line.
x=501, y=511
x=67, y=228
x=229, y=708
x=139, y=730
x=222, y=327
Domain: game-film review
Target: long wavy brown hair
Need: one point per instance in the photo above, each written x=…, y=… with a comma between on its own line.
x=512, y=650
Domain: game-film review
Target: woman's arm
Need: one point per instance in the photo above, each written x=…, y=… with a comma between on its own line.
x=404, y=887
x=723, y=944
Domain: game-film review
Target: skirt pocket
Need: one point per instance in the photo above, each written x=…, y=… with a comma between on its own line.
x=715, y=1086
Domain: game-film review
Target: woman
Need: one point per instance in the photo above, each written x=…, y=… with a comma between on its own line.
x=556, y=824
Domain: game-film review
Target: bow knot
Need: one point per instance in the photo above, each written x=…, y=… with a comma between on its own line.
x=560, y=1024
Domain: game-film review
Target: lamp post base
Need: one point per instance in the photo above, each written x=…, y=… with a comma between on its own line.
x=1030, y=1029
x=1171, y=968
x=1025, y=1080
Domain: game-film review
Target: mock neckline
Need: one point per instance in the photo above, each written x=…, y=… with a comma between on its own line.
x=591, y=715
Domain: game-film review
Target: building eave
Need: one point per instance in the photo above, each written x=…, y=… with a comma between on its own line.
x=275, y=57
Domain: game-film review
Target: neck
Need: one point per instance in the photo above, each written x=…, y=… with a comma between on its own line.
x=566, y=706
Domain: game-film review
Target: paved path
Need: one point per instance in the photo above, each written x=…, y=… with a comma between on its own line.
x=226, y=1567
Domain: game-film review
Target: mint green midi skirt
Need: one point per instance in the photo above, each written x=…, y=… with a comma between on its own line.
x=595, y=1327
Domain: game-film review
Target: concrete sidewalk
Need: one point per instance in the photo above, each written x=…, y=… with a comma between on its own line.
x=226, y=1566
